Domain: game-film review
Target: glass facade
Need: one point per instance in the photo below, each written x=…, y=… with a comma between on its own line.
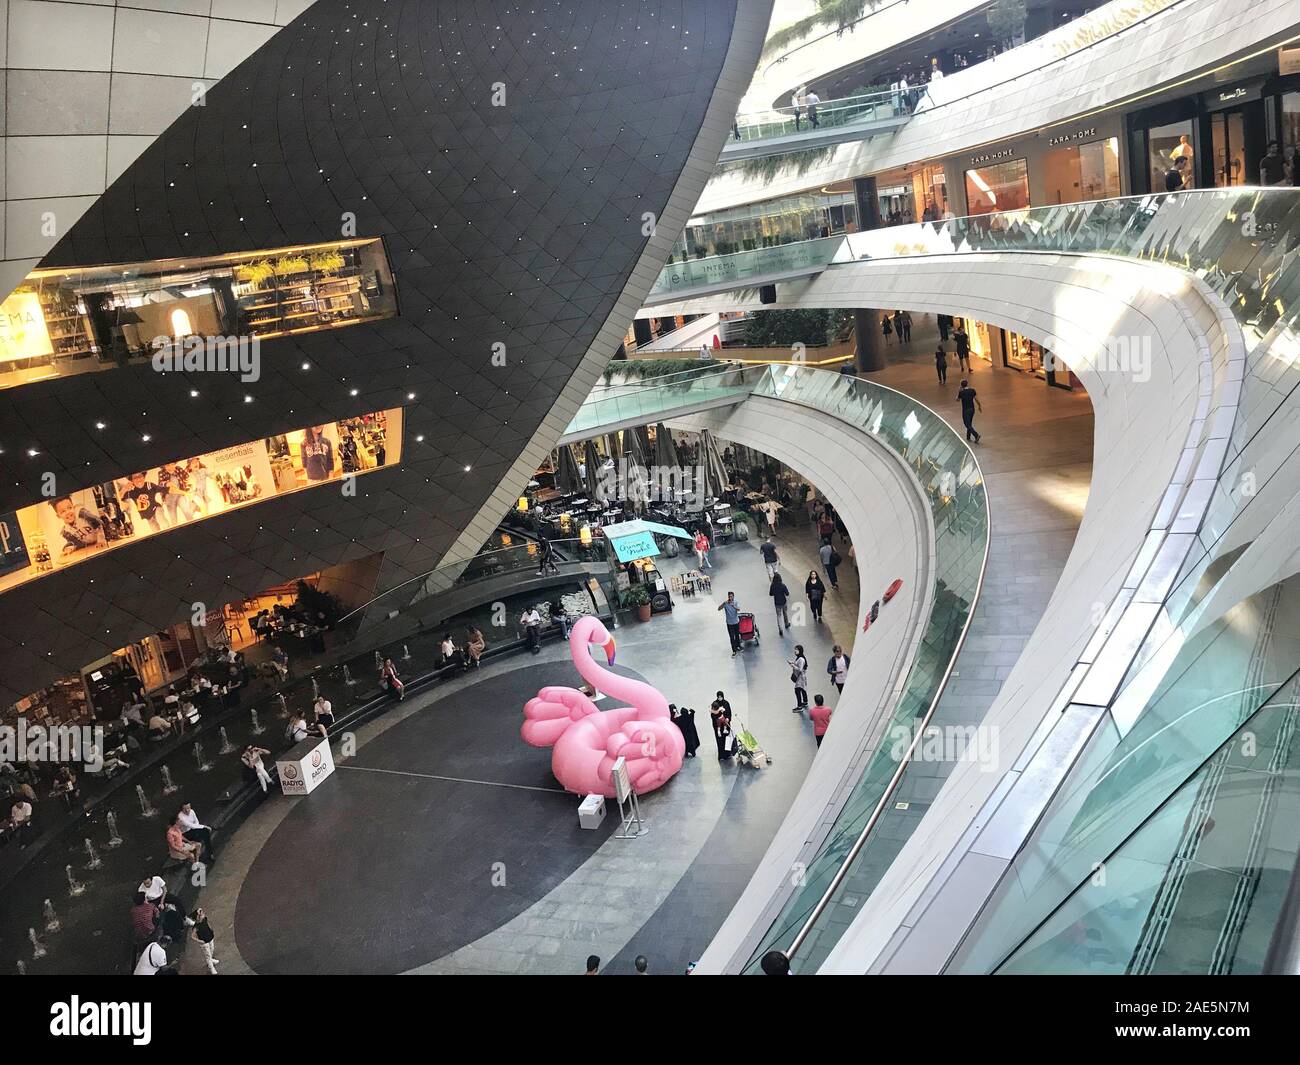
x=1000, y=187
x=60, y=322
x=768, y=224
x=1087, y=171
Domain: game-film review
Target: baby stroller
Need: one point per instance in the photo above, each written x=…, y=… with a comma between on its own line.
x=748, y=629
x=748, y=752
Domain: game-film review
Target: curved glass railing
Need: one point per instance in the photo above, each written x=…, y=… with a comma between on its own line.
x=954, y=487
x=753, y=267
x=608, y=407
x=1241, y=244
x=830, y=114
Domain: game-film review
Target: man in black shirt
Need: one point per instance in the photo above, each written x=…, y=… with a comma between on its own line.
x=962, y=340
x=1176, y=177
x=969, y=402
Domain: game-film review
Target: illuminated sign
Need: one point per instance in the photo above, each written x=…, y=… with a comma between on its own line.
x=989, y=157
x=22, y=328
x=1070, y=138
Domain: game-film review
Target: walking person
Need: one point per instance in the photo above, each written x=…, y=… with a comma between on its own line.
x=905, y=323
x=837, y=667
x=811, y=100
x=821, y=718
x=770, y=558
x=815, y=590
x=206, y=938
x=941, y=364
x=830, y=559
x=780, y=598
x=969, y=400
x=962, y=341
x=796, y=101
x=545, y=556
x=943, y=321
x=886, y=326
x=731, y=611
x=702, y=547
x=799, y=678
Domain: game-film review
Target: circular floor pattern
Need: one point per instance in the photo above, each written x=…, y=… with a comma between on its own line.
x=442, y=828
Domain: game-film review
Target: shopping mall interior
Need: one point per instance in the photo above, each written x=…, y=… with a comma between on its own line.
x=621, y=486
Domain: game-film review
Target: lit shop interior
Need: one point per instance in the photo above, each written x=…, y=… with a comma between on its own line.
x=59, y=322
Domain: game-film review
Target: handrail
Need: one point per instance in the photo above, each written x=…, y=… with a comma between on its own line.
x=442, y=566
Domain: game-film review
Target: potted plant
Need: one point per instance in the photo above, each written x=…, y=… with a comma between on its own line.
x=637, y=596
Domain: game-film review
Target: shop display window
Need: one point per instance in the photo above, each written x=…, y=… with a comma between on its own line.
x=54, y=534
x=1166, y=145
x=59, y=322
x=1081, y=172
x=1289, y=133
x=1000, y=187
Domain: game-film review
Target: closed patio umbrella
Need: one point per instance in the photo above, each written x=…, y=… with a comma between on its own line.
x=665, y=450
x=634, y=449
x=715, y=473
x=592, y=473
x=612, y=448
x=567, y=477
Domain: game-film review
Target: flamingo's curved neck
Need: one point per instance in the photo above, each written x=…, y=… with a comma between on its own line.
x=632, y=692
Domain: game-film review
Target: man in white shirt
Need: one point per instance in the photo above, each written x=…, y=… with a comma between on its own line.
x=531, y=620
x=935, y=73
x=151, y=960
x=797, y=102
x=153, y=888
x=810, y=103
x=196, y=831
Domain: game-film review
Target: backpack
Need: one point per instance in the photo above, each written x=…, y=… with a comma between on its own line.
x=835, y=557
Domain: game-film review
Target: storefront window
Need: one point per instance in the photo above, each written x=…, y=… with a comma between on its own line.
x=1024, y=355
x=70, y=528
x=930, y=192
x=1166, y=145
x=1080, y=172
x=60, y=322
x=1228, y=141
x=1289, y=131
x=1000, y=187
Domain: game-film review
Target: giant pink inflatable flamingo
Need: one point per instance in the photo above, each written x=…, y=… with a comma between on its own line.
x=587, y=740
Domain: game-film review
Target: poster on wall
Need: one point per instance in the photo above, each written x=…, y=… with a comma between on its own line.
x=13, y=547
x=23, y=333
x=64, y=530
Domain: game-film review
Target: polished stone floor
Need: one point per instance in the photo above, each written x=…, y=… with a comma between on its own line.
x=392, y=867
x=664, y=894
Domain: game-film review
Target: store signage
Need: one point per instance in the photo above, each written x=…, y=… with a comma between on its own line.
x=1288, y=60
x=1217, y=99
x=1071, y=138
x=988, y=157
x=1110, y=20
x=23, y=334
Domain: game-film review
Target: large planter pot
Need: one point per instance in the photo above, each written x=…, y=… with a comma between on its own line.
x=643, y=612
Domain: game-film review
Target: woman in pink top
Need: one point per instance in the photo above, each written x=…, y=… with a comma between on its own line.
x=821, y=718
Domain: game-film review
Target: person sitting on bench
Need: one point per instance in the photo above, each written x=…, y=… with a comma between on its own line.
x=195, y=831
x=178, y=847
